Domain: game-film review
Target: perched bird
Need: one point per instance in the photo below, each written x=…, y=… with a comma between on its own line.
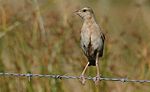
x=92, y=40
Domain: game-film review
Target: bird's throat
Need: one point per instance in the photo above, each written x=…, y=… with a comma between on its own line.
x=90, y=21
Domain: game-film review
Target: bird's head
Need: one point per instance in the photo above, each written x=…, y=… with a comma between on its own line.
x=85, y=12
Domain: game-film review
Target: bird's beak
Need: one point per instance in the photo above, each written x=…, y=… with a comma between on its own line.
x=76, y=12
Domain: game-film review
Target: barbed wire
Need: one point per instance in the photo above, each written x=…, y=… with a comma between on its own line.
x=29, y=76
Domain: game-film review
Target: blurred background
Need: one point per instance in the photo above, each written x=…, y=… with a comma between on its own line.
x=43, y=37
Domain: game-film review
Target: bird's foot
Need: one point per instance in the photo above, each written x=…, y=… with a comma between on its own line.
x=82, y=79
x=96, y=79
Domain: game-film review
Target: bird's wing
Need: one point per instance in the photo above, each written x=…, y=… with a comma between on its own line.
x=102, y=36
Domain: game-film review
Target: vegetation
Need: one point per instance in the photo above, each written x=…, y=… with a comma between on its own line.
x=44, y=37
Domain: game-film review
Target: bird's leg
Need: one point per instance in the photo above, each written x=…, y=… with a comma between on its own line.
x=82, y=74
x=97, y=78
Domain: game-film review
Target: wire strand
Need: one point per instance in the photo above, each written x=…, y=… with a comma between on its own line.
x=29, y=76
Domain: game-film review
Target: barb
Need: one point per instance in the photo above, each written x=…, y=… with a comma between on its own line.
x=29, y=76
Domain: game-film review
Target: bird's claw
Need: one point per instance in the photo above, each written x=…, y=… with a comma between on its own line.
x=96, y=79
x=82, y=79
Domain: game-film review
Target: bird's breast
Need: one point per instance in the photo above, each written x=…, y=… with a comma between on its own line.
x=91, y=34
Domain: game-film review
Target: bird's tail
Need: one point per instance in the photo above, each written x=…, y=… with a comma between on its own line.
x=92, y=61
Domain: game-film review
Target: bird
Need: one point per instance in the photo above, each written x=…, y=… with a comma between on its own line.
x=91, y=40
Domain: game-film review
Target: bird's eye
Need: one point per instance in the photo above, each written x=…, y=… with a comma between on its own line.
x=84, y=10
